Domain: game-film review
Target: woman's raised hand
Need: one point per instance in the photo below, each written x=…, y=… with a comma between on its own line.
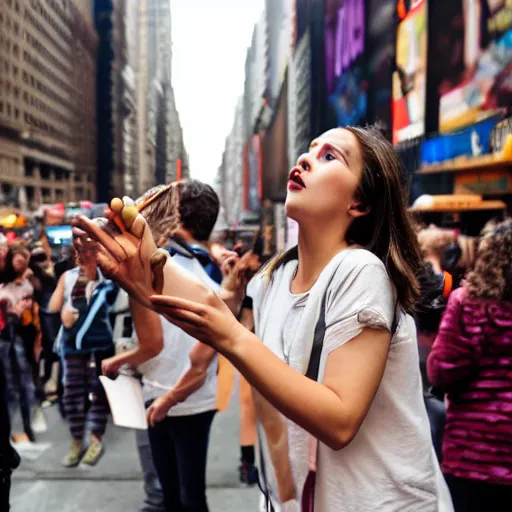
x=125, y=249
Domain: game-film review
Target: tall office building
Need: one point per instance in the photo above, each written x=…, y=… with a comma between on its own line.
x=47, y=101
x=160, y=134
x=117, y=25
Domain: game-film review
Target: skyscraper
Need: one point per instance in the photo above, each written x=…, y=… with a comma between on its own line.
x=47, y=101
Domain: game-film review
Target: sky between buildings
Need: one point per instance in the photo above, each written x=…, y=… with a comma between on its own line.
x=210, y=40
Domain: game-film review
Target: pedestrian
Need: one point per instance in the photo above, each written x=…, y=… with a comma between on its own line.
x=470, y=361
x=180, y=383
x=339, y=357
x=9, y=459
x=83, y=297
x=23, y=338
x=44, y=283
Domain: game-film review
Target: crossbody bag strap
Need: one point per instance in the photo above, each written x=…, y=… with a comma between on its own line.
x=312, y=373
x=314, y=367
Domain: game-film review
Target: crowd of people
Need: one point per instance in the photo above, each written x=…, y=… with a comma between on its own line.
x=375, y=354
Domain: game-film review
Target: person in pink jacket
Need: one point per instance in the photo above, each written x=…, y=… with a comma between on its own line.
x=471, y=360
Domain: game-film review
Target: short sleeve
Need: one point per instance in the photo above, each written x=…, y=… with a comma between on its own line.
x=359, y=297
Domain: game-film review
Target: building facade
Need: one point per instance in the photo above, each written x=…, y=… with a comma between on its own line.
x=162, y=156
x=47, y=102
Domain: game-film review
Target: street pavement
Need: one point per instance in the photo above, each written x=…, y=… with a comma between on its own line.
x=41, y=484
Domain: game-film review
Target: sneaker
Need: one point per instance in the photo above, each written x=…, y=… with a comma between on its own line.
x=93, y=453
x=72, y=459
x=39, y=425
x=248, y=473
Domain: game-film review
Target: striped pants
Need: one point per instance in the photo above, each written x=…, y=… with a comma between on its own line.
x=84, y=397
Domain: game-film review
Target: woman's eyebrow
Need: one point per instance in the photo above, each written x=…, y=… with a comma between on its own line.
x=344, y=153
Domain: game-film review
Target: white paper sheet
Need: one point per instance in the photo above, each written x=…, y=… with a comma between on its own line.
x=124, y=395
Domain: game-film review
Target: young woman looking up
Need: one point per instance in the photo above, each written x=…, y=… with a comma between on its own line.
x=358, y=250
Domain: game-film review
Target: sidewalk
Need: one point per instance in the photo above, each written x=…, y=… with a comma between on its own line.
x=115, y=484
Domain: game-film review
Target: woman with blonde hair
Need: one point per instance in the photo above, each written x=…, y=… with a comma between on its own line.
x=471, y=360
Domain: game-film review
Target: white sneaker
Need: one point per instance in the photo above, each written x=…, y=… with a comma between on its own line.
x=39, y=425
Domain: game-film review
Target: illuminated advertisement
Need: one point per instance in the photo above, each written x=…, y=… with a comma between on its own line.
x=409, y=79
x=345, y=77
x=477, y=79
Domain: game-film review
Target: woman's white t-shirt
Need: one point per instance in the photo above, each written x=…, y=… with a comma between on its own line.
x=390, y=465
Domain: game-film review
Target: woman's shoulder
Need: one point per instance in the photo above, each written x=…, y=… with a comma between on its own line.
x=359, y=267
x=358, y=257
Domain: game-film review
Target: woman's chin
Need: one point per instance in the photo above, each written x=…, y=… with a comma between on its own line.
x=292, y=209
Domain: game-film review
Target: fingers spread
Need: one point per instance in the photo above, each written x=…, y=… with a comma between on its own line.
x=98, y=234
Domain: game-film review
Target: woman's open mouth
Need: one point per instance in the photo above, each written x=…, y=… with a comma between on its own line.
x=295, y=181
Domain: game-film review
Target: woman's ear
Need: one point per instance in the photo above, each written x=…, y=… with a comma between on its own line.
x=357, y=209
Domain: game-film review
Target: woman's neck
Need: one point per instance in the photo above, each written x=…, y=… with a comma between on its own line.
x=315, y=252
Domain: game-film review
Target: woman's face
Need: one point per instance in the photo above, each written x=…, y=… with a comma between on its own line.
x=19, y=263
x=324, y=182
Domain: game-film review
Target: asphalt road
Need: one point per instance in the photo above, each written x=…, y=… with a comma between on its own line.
x=41, y=484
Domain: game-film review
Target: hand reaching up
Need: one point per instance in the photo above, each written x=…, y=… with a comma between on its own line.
x=125, y=250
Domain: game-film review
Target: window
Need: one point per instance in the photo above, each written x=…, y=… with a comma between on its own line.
x=16, y=113
x=44, y=172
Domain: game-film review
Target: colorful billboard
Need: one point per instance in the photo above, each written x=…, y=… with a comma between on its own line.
x=345, y=76
x=409, y=80
x=477, y=81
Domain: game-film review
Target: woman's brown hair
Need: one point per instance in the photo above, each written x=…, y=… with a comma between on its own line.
x=492, y=275
x=387, y=230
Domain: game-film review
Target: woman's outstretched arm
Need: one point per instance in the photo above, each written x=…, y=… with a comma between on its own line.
x=333, y=410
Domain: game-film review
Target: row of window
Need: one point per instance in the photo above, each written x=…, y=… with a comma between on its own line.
x=47, y=128
x=45, y=54
x=7, y=109
x=54, y=79
x=13, y=4
x=47, y=91
x=41, y=29
x=9, y=23
x=56, y=8
x=37, y=6
x=33, y=101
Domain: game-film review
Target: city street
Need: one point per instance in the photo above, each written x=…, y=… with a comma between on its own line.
x=115, y=484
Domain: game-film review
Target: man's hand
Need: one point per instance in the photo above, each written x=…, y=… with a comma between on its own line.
x=158, y=410
x=236, y=274
x=110, y=366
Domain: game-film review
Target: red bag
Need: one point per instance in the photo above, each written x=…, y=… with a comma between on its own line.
x=308, y=492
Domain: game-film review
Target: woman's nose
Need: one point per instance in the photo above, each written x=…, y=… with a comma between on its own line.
x=303, y=162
